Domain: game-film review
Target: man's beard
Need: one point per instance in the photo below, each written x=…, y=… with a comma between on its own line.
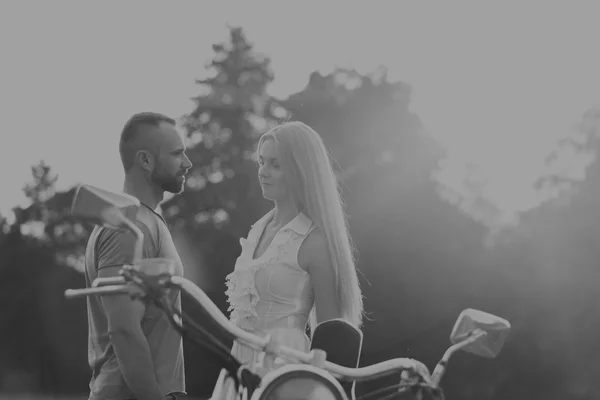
x=171, y=184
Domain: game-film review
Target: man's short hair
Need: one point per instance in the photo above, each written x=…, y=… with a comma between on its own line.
x=132, y=129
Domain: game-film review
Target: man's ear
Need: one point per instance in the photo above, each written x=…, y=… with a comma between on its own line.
x=145, y=160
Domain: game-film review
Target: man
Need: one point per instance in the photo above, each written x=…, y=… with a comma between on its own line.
x=133, y=350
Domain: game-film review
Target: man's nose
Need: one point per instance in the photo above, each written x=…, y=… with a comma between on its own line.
x=187, y=164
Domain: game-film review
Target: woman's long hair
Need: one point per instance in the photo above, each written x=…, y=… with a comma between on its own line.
x=315, y=190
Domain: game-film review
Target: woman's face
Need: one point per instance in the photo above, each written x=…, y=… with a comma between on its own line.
x=270, y=174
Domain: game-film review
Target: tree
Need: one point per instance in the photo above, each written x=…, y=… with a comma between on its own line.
x=48, y=217
x=43, y=345
x=222, y=196
x=386, y=161
x=573, y=161
x=551, y=274
x=364, y=119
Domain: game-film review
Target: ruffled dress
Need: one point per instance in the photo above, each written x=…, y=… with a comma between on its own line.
x=271, y=294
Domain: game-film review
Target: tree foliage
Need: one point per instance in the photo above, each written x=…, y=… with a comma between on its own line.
x=221, y=199
x=41, y=340
x=222, y=131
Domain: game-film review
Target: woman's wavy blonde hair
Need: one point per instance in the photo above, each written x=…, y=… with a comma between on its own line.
x=315, y=191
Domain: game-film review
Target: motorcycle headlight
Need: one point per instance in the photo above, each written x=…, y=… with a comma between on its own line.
x=299, y=382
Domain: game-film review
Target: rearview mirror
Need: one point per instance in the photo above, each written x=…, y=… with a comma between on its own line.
x=471, y=321
x=98, y=206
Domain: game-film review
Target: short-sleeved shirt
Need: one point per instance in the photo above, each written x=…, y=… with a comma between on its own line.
x=106, y=248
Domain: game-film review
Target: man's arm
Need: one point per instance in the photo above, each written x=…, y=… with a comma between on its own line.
x=125, y=315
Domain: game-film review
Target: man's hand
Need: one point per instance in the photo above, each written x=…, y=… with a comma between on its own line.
x=129, y=342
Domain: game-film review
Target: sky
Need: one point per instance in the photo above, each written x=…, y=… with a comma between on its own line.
x=496, y=83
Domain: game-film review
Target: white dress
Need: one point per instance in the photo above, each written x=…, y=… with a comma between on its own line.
x=272, y=294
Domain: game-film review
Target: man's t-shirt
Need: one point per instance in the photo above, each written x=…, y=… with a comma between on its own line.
x=107, y=248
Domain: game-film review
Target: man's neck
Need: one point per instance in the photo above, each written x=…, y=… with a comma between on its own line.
x=145, y=192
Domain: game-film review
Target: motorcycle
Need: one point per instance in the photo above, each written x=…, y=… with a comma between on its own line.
x=305, y=375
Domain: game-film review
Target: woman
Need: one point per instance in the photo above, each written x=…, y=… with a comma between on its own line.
x=297, y=266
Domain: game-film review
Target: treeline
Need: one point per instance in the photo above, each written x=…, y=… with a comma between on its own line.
x=422, y=258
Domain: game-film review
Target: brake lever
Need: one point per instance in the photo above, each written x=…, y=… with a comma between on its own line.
x=419, y=373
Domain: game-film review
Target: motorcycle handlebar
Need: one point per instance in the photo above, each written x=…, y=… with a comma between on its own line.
x=99, y=291
x=118, y=285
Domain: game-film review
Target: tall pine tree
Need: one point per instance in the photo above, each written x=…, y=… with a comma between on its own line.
x=222, y=197
x=222, y=193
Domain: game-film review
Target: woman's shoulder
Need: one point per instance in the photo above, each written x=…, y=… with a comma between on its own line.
x=315, y=239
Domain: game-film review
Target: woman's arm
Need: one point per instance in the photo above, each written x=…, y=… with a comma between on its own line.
x=314, y=258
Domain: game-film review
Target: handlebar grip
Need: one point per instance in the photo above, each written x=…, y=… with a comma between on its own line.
x=114, y=280
x=438, y=372
x=74, y=293
x=104, y=290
